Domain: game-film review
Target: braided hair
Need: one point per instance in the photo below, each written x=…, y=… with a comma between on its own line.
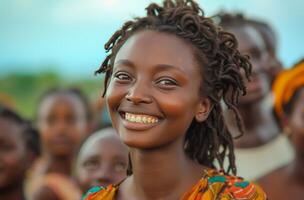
x=220, y=62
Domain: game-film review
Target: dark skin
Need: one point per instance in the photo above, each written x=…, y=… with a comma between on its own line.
x=15, y=160
x=259, y=124
x=288, y=182
x=62, y=122
x=156, y=77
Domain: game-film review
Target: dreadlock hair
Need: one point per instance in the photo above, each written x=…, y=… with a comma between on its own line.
x=68, y=91
x=29, y=134
x=220, y=63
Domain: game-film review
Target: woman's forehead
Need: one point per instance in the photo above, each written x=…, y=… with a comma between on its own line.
x=152, y=48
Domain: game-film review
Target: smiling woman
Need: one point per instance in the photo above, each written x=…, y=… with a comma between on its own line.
x=166, y=75
x=154, y=86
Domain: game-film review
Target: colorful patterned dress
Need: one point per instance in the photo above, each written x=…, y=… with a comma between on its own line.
x=214, y=185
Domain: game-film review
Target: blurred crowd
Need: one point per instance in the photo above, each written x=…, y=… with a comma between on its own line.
x=69, y=146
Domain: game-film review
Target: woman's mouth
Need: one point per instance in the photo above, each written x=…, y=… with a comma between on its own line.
x=139, y=121
x=139, y=118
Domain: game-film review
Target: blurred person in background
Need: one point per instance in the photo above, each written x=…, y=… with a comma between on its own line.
x=63, y=118
x=274, y=65
x=19, y=147
x=262, y=134
x=287, y=182
x=102, y=160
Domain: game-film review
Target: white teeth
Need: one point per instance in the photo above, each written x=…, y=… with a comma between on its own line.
x=144, y=119
x=140, y=118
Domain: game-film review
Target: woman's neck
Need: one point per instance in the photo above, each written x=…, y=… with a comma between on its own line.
x=165, y=173
x=259, y=124
x=52, y=164
x=252, y=115
x=13, y=193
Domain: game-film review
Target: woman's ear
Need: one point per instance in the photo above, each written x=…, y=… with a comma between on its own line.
x=203, y=110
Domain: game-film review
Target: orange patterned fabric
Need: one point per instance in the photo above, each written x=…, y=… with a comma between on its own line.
x=286, y=83
x=214, y=185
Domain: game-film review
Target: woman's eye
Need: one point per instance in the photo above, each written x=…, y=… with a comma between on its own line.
x=166, y=83
x=50, y=120
x=122, y=76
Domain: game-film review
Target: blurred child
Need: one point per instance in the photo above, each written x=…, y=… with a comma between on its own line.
x=19, y=146
x=63, y=117
x=287, y=182
x=103, y=160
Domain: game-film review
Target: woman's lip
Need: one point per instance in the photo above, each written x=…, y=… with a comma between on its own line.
x=137, y=126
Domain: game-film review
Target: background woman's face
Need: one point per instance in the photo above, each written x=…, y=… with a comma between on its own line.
x=251, y=43
x=62, y=123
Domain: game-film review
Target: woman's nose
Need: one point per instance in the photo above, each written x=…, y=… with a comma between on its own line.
x=139, y=93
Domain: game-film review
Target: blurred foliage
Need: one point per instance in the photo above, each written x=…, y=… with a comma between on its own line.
x=24, y=89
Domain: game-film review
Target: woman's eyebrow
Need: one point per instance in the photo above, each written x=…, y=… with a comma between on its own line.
x=125, y=62
x=158, y=66
x=164, y=67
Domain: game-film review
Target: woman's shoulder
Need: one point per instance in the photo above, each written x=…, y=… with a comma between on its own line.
x=99, y=192
x=213, y=185
x=217, y=185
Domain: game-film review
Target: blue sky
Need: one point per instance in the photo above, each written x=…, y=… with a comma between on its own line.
x=68, y=35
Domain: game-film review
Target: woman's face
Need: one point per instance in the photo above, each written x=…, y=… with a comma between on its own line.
x=153, y=94
x=251, y=43
x=296, y=123
x=62, y=123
